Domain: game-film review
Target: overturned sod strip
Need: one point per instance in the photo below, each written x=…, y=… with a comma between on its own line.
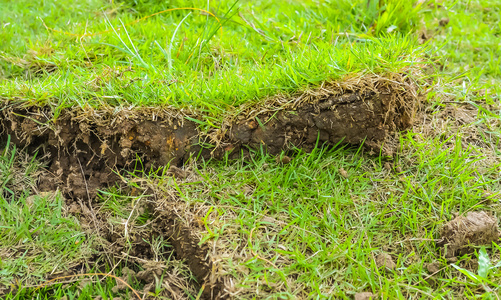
x=88, y=149
x=361, y=110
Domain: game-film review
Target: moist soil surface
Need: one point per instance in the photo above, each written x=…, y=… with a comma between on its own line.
x=87, y=149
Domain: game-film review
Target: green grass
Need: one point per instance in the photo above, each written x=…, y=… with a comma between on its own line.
x=472, y=38
x=41, y=238
x=467, y=48
x=307, y=229
x=37, y=234
x=323, y=230
x=182, y=60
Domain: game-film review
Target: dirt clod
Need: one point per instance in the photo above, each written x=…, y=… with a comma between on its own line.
x=177, y=172
x=476, y=228
x=384, y=260
x=365, y=296
x=283, y=159
x=452, y=260
x=86, y=146
x=84, y=283
x=443, y=22
x=120, y=285
x=343, y=173
x=433, y=267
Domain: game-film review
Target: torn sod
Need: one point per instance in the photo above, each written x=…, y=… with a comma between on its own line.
x=462, y=233
x=88, y=148
x=94, y=143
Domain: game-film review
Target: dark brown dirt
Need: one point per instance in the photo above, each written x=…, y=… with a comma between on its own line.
x=351, y=118
x=463, y=232
x=186, y=246
x=84, y=154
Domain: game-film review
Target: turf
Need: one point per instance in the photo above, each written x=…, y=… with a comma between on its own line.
x=184, y=59
x=308, y=228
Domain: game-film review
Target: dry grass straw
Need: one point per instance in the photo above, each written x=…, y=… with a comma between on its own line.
x=402, y=85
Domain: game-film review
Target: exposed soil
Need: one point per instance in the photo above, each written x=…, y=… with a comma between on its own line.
x=351, y=118
x=84, y=153
x=186, y=246
x=136, y=252
x=180, y=235
x=365, y=296
x=87, y=149
x=384, y=260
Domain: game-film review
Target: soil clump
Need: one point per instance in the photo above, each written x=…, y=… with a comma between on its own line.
x=463, y=232
x=88, y=147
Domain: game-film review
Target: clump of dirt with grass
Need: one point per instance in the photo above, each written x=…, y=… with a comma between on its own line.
x=87, y=146
x=474, y=229
x=89, y=150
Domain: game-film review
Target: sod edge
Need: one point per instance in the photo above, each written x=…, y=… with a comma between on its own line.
x=362, y=109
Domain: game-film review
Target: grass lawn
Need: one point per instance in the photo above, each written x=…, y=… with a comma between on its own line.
x=184, y=59
x=335, y=222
